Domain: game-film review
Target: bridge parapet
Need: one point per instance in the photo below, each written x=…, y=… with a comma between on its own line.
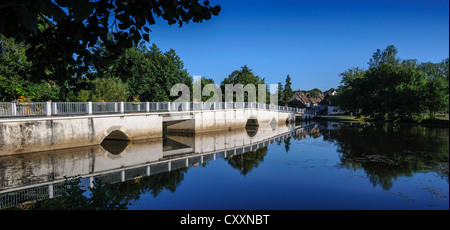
x=31, y=109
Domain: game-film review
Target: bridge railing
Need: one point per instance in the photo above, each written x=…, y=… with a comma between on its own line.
x=68, y=108
x=105, y=107
x=22, y=109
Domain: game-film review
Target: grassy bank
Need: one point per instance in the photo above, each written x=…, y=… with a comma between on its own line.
x=343, y=118
x=439, y=121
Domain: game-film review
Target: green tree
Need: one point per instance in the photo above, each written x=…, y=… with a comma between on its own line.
x=63, y=34
x=109, y=89
x=280, y=91
x=437, y=87
x=395, y=89
x=288, y=89
x=150, y=73
x=245, y=76
x=204, y=82
x=15, y=75
x=436, y=96
x=387, y=56
x=104, y=89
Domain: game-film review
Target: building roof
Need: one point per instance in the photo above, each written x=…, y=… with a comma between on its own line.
x=307, y=97
x=314, y=97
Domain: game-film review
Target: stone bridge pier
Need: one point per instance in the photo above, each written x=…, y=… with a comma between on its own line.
x=216, y=120
x=41, y=134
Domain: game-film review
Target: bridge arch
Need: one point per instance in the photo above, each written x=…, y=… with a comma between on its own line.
x=115, y=133
x=252, y=121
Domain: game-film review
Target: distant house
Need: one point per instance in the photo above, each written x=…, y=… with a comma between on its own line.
x=306, y=99
x=322, y=102
x=328, y=104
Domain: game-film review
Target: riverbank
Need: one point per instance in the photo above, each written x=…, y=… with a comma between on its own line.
x=438, y=121
x=342, y=118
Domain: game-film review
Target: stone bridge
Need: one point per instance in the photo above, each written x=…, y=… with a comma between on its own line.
x=58, y=125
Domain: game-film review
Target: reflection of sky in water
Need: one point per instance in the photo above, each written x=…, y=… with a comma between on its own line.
x=310, y=175
x=359, y=167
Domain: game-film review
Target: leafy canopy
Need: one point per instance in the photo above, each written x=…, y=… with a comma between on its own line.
x=15, y=74
x=150, y=73
x=244, y=76
x=395, y=89
x=63, y=34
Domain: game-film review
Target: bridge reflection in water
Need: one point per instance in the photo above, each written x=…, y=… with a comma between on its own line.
x=38, y=176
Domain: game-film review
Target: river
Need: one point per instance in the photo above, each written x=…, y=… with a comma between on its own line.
x=307, y=166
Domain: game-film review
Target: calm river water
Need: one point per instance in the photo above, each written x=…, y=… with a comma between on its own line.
x=310, y=166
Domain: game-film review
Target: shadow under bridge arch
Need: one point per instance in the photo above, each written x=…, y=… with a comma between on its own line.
x=117, y=135
x=252, y=121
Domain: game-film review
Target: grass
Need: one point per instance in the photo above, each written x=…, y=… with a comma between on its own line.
x=343, y=118
x=442, y=118
x=441, y=121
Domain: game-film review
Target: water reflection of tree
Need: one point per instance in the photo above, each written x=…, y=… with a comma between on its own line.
x=287, y=144
x=171, y=180
x=386, y=152
x=247, y=161
x=113, y=196
x=250, y=160
x=153, y=184
x=131, y=190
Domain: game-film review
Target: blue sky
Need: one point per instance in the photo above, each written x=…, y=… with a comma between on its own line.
x=312, y=40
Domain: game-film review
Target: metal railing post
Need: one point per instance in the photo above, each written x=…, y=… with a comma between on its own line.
x=48, y=108
x=50, y=191
x=89, y=107
x=54, y=108
x=122, y=107
x=13, y=109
